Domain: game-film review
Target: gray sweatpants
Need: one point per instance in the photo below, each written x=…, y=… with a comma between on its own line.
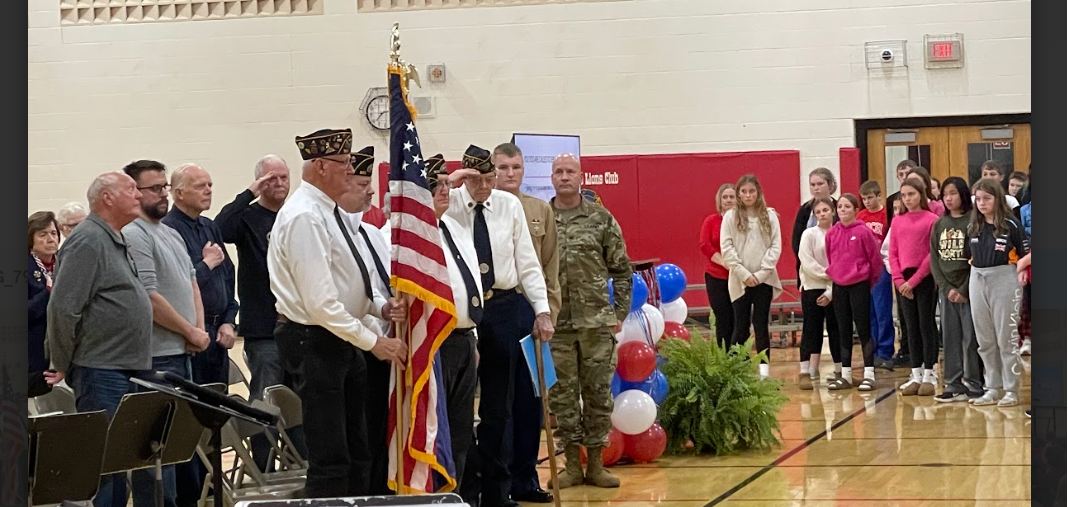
x=961, y=363
x=995, y=301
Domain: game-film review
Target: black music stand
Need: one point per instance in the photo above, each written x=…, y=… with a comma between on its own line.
x=151, y=430
x=363, y=501
x=212, y=409
x=66, y=456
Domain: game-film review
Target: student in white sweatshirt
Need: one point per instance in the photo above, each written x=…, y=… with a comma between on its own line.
x=751, y=241
x=816, y=295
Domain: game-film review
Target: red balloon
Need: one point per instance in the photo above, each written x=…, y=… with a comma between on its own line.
x=637, y=360
x=646, y=446
x=612, y=453
x=676, y=330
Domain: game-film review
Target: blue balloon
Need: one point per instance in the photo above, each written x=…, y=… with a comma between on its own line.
x=617, y=385
x=660, y=387
x=640, y=292
x=655, y=385
x=660, y=360
x=672, y=282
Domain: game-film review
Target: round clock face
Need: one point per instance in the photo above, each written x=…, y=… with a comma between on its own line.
x=378, y=112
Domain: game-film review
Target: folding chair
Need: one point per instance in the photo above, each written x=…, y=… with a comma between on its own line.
x=290, y=406
x=59, y=401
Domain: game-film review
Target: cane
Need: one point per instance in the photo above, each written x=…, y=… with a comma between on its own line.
x=548, y=424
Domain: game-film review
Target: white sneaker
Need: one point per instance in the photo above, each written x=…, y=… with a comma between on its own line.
x=1025, y=349
x=1009, y=400
x=988, y=398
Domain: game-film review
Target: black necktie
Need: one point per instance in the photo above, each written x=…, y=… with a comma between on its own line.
x=378, y=261
x=474, y=307
x=352, y=247
x=483, y=249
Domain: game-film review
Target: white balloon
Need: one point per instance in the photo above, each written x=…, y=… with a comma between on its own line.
x=675, y=311
x=635, y=328
x=634, y=412
x=656, y=321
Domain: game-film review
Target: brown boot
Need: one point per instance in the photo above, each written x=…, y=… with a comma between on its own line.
x=572, y=474
x=596, y=475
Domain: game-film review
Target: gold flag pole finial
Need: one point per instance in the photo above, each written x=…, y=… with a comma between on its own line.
x=407, y=70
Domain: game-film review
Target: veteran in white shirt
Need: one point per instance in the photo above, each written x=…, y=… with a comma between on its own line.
x=459, y=353
x=516, y=305
x=374, y=248
x=323, y=288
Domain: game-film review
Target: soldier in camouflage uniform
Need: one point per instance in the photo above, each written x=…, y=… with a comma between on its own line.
x=591, y=252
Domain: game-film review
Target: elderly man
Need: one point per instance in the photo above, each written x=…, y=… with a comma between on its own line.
x=191, y=186
x=508, y=161
x=516, y=305
x=459, y=353
x=373, y=245
x=167, y=273
x=592, y=251
x=99, y=313
x=69, y=216
x=323, y=289
x=246, y=223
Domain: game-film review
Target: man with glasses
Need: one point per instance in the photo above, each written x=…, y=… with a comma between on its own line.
x=323, y=289
x=69, y=216
x=167, y=273
x=516, y=305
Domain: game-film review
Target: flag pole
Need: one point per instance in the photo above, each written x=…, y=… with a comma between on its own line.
x=551, y=446
x=399, y=332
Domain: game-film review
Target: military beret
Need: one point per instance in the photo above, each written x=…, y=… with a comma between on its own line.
x=435, y=167
x=478, y=159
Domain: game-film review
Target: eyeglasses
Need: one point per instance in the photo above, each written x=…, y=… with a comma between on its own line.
x=156, y=188
x=347, y=163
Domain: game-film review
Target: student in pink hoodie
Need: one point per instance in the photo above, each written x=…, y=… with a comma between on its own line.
x=910, y=267
x=855, y=266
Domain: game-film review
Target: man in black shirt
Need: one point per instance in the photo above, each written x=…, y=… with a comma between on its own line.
x=191, y=188
x=247, y=225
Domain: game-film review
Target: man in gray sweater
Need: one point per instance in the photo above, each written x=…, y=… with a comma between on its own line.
x=99, y=314
x=167, y=273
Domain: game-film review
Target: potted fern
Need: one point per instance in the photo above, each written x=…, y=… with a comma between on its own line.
x=716, y=399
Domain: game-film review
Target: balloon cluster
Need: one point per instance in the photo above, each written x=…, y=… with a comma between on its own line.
x=638, y=386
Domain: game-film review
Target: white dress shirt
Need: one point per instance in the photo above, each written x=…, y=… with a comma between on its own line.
x=515, y=263
x=466, y=245
x=380, y=243
x=314, y=276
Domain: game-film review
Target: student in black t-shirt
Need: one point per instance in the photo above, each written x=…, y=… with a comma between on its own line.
x=996, y=240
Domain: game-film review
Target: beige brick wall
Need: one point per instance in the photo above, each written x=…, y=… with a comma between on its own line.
x=637, y=76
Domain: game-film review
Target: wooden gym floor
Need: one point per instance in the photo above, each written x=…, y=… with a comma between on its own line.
x=874, y=449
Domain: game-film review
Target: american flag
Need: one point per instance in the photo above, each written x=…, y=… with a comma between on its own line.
x=419, y=273
x=13, y=445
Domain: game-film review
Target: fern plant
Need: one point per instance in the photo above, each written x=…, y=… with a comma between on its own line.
x=716, y=398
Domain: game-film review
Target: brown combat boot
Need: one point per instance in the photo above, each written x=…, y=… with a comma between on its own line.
x=596, y=475
x=572, y=474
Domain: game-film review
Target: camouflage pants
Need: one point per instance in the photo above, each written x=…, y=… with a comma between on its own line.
x=585, y=361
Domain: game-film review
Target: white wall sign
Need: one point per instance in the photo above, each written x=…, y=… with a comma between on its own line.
x=539, y=150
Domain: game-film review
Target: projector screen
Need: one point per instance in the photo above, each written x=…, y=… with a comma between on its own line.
x=539, y=150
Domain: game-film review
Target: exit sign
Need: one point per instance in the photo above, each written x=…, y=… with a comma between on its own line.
x=944, y=50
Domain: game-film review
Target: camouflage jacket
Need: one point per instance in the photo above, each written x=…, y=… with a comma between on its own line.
x=591, y=251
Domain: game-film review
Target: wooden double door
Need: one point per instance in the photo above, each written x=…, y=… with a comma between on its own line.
x=947, y=151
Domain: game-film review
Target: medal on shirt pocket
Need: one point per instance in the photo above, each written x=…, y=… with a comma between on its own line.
x=537, y=228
